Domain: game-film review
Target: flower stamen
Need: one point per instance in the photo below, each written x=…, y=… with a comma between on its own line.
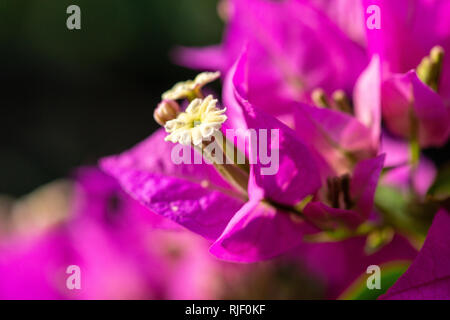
x=197, y=124
x=320, y=98
x=342, y=102
x=430, y=68
x=339, y=192
x=191, y=89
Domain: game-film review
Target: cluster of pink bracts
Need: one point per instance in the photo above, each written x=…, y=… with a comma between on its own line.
x=354, y=106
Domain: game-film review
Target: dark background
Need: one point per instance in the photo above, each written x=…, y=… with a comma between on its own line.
x=68, y=97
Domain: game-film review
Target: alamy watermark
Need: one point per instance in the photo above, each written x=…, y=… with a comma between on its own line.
x=373, y=22
x=73, y=22
x=374, y=280
x=261, y=146
x=74, y=279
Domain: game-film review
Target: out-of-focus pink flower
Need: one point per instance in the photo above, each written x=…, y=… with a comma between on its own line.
x=429, y=275
x=121, y=255
x=411, y=108
x=347, y=14
x=409, y=30
x=293, y=48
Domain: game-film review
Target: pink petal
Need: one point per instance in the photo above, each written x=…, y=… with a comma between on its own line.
x=403, y=94
x=297, y=175
x=193, y=195
x=367, y=99
x=364, y=183
x=429, y=275
x=259, y=232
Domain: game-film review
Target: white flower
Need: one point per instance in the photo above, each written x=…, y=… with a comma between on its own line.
x=199, y=122
x=188, y=88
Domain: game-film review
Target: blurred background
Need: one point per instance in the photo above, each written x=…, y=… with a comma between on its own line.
x=69, y=97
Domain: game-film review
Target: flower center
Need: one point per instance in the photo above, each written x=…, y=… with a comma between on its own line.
x=191, y=89
x=197, y=124
x=339, y=192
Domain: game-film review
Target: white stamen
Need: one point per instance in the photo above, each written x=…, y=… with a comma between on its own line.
x=199, y=122
x=185, y=89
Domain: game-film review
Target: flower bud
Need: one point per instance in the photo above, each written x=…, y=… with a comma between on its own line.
x=167, y=110
x=430, y=68
x=320, y=98
x=342, y=102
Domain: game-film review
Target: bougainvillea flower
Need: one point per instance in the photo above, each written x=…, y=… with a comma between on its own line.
x=188, y=271
x=197, y=197
x=240, y=240
x=410, y=107
x=429, y=275
x=367, y=103
x=415, y=106
x=186, y=194
x=282, y=68
x=292, y=169
x=355, y=209
x=296, y=179
x=409, y=30
x=185, y=268
x=259, y=232
x=340, y=138
x=193, y=195
x=269, y=89
x=323, y=129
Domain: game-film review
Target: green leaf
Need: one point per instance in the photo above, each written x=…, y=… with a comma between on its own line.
x=390, y=272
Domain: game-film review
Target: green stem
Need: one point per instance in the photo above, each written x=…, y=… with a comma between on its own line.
x=414, y=148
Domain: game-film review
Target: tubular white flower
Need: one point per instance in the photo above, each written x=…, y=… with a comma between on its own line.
x=199, y=122
x=186, y=89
